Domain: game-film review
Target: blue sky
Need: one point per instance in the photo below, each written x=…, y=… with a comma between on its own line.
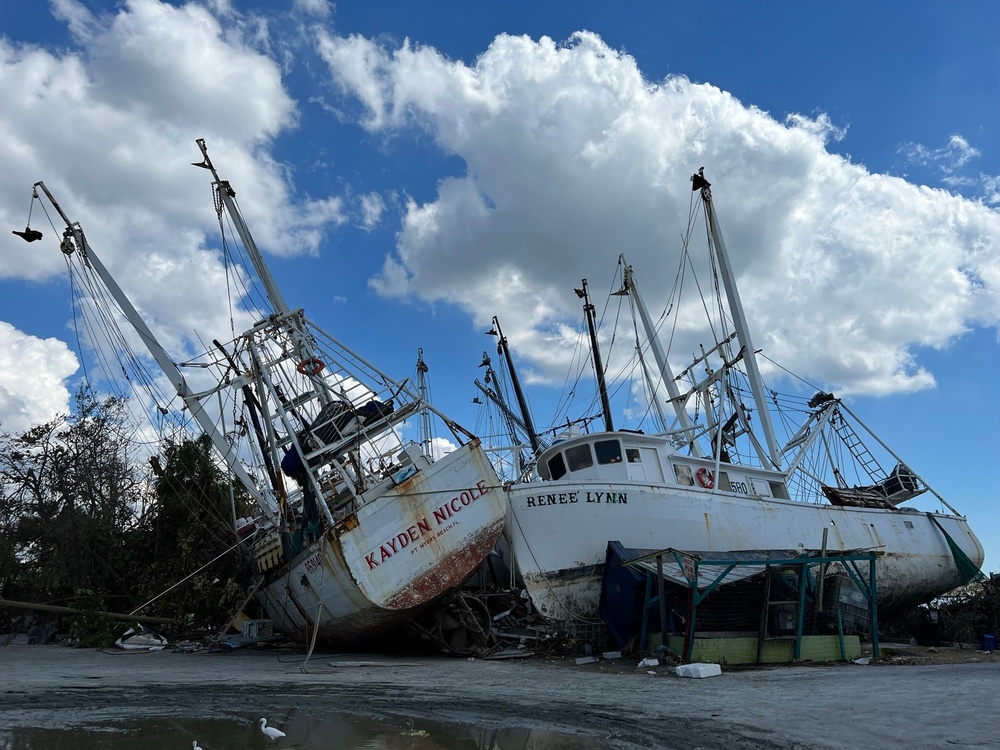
x=414, y=171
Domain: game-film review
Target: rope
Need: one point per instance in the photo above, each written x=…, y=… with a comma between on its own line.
x=304, y=667
x=31, y=204
x=163, y=593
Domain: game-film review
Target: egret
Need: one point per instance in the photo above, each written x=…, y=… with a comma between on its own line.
x=270, y=731
x=194, y=745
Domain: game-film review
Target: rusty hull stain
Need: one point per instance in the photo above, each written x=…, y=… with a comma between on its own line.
x=346, y=524
x=450, y=572
x=374, y=621
x=373, y=618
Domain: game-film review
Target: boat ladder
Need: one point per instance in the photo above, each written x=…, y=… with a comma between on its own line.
x=857, y=448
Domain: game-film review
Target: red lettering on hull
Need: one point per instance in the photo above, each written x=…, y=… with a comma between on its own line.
x=441, y=515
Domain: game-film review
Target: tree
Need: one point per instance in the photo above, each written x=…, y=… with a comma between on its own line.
x=81, y=518
x=71, y=495
x=190, y=524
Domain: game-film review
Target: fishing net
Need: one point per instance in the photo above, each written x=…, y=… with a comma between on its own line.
x=968, y=571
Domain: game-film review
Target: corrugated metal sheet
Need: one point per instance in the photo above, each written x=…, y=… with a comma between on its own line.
x=674, y=565
x=678, y=565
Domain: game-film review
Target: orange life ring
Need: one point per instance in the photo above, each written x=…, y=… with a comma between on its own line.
x=705, y=478
x=310, y=367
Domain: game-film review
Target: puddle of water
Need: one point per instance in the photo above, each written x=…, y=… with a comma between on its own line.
x=303, y=730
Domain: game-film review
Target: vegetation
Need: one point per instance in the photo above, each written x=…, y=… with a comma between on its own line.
x=86, y=523
x=90, y=628
x=962, y=616
x=971, y=611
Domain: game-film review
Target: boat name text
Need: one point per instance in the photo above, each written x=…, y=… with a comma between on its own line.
x=440, y=522
x=568, y=498
x=314, y=563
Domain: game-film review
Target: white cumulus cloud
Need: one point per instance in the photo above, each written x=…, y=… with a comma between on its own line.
x=372, y=208
x=33, y=375
x=572, y=157
x=109, y=123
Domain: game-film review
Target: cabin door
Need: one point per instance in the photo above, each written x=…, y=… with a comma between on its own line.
x=644, y=465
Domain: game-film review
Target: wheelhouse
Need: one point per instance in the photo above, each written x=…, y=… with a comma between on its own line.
x=605, y=456
x=631, y=456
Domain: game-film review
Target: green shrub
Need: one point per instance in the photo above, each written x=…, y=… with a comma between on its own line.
x=90, y=628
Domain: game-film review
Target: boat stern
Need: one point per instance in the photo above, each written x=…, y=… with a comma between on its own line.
x=424, y=536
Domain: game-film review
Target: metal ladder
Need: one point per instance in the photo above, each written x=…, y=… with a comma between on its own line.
x=857, y=448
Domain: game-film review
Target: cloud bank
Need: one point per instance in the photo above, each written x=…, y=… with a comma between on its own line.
x=573, y=156
x=109, y=124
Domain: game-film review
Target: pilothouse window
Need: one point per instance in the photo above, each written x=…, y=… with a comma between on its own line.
x=579, y=457
x=557, y=467
x=633, y=455
x=778, y=490
x=608, y=451
x=683, y=475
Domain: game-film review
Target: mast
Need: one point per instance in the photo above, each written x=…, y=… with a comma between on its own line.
x=522, y=403
x=302, y=342
x=74, y=240
x=512, y=421
x=666, y=375
x=497, y=398
x=227, y=196
x=602, y=388
x=425, y=416
x=698, y=182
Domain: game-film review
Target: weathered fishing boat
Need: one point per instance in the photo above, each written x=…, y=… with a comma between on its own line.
x=360, y=529
x=714, y=480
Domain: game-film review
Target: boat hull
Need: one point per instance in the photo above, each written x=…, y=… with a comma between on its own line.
x=395, y=556
x=559, y=532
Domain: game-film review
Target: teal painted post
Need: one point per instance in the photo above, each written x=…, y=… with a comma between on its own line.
x=646, y=604
x=874, y=605
x=840, y=636
x=797, y=654
x=662, y=599
x=692, y=610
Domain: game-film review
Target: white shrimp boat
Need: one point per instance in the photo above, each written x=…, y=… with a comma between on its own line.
x=373, y=530
x=713, y=480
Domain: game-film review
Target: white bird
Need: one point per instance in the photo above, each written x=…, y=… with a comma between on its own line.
x=194, y=745
x=270, y=731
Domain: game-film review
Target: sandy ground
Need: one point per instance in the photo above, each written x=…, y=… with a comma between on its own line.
x=896, y=704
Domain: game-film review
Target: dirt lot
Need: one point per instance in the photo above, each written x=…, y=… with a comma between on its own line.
x=963, y=653
x=918, y=699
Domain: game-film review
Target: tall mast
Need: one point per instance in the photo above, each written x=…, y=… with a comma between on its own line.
x=496, y=396
x=227, y=195
x=491, y=389
x=425, y=416
x=698, y=182
x=602, y=388
x=666, y=375
x=522, y=402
